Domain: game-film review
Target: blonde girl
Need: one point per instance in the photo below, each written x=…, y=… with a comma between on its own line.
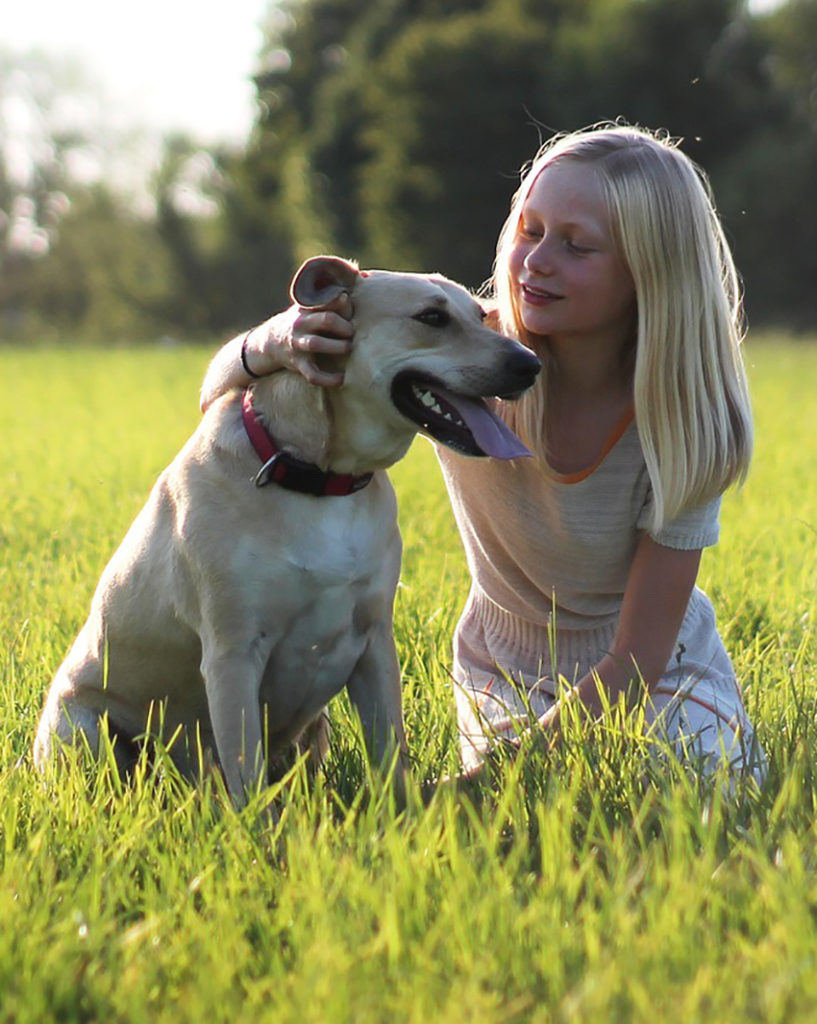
x=612, y=266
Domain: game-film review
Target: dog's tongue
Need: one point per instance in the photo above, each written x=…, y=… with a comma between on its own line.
x=491, y=434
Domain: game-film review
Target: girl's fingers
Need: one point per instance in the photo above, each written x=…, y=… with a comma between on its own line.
x=314, y=375
x=325, y=323
x=322, y=344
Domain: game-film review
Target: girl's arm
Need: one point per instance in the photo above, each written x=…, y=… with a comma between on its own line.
x=287, y=341
x=655, y=600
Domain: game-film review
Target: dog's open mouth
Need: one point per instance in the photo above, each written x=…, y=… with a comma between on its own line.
x=464, y=424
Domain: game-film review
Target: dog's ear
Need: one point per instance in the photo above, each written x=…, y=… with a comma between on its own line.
x=321, y=280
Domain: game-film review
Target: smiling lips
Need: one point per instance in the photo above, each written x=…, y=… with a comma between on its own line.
x=538, y=296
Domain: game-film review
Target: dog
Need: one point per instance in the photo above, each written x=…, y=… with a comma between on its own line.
x=258, y=580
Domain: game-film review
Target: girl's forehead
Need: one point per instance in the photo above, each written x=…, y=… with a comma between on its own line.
x=569, y=189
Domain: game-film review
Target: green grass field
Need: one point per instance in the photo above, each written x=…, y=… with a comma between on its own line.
x=590, y=888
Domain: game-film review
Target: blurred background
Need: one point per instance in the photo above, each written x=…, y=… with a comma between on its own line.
x=163, y=168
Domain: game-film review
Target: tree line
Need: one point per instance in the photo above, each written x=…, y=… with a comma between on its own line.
x=393, y=133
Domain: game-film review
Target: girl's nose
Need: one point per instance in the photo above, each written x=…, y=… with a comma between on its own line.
x=540, y=258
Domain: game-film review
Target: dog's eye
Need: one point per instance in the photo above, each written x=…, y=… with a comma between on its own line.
x=433, y=317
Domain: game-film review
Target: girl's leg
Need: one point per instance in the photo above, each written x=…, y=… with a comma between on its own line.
x=706, y=731
x=492, y=708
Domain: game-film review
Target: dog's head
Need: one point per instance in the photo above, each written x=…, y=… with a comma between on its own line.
x=423, y=358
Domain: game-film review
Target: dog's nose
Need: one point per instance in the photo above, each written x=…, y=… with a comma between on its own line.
x=523, y=365
x=518, y=372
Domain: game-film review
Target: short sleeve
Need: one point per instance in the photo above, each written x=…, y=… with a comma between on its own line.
x=694, y=529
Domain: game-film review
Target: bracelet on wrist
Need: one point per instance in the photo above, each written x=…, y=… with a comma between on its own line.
x=244, y=363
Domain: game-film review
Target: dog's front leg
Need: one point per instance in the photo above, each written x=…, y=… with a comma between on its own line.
x=375, y=691
x=232, y=680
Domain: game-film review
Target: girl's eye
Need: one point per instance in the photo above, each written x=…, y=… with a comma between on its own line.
x=576, y=249
x=526, y=231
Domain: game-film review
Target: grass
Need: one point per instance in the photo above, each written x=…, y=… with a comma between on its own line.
x=593, y=887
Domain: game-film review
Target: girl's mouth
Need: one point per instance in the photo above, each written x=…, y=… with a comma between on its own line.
x=538, y=296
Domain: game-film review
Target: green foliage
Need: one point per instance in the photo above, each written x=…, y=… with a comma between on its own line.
x=411, y=120
x=596, y=885
x=105, y=271
x=768, y=183
x=393, y=133
x=433, y=183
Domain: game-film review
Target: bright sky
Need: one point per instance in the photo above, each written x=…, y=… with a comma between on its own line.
x=169, y=64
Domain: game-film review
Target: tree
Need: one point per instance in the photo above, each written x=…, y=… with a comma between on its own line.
x=87, y=250
x=75, y=256
x=768, y=183
x=105, y=277
x=445, y=149
x=394, y=132
x=456, y=106
x=38, y=138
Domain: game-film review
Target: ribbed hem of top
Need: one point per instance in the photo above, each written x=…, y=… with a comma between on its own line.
x=534, y=644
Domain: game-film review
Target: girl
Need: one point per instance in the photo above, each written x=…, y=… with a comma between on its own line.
x=613, y=267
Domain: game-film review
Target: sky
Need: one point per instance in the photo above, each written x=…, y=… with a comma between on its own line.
x=166, y=65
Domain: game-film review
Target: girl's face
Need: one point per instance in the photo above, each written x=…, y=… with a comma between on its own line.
x=567, y=276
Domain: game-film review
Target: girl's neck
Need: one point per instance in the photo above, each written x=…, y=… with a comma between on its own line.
x=584, y=368
x=590, y=391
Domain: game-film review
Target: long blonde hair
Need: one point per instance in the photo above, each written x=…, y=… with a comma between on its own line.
x=692, y=405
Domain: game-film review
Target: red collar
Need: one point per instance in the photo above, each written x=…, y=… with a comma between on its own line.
x=289, y=472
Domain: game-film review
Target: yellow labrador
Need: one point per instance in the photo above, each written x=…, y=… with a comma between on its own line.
x=259, y=578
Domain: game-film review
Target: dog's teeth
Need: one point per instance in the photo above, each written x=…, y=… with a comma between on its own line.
x=429, y=401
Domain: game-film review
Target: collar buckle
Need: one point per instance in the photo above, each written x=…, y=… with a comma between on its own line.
x=264, y=474
x=288, y=472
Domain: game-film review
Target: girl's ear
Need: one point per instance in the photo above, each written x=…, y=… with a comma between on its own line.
x=321, y=280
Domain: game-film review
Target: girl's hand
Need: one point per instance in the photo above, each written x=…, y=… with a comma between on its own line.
x=314, y=343
x=550, y=729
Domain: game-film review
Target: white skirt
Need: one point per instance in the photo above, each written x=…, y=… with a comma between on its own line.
x=507, y=673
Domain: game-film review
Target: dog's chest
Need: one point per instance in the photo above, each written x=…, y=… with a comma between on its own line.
x=320, y=643
x=325, y=600
x=319, y=649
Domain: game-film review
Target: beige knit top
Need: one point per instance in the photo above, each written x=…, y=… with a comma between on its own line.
x=535, y=540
